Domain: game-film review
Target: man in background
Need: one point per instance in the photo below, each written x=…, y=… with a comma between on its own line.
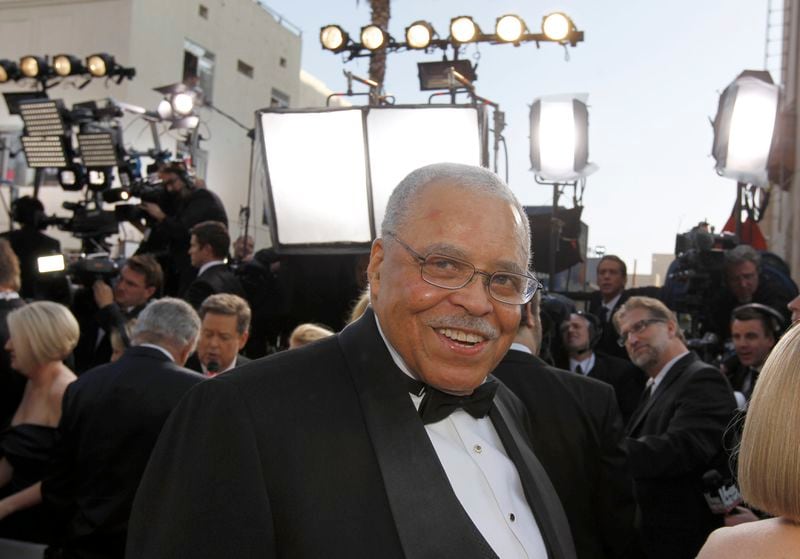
x=208, y=250
x=224, y=327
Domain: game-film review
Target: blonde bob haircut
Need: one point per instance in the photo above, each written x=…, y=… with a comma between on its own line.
x=769, y=455
x=306, y=333
x=42, y=332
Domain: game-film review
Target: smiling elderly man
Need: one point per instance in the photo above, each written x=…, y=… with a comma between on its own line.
x=387, y=440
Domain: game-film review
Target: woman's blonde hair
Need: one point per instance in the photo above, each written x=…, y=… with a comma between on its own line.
x=42, y=332
x=307, y=333
x=769, y=455
x=359, y=307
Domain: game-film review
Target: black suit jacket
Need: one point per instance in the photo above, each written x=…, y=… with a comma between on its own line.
x=216, y=279
x=94, y=347
x=674, y=438
x=110, y=420
x=318, y=452
x=577, y=434
x=627, y=379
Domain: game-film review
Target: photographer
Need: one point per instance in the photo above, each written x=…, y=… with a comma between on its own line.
x=139, y=281
x=750, y=277
x=169, y=238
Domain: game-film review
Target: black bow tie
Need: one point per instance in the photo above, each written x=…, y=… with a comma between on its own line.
x=436, y=405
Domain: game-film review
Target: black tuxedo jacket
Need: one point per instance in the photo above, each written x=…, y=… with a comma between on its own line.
x=193, y=362
x=627, y=379
x=216, y=279
x=94, y=348
x=318, y=452
x=577, y=434
x=676, y=436
x=110, y=420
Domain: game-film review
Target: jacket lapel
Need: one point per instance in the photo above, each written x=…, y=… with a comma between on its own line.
x=539, y=491
x=671, y=376
x=430, y=520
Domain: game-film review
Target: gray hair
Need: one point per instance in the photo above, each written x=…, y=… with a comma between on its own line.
x=167, y=320
x=740, y=254
x=475, y=179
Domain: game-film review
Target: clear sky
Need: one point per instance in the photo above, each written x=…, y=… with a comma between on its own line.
x=653, y=72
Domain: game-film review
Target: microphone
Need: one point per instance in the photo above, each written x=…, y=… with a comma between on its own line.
x=212, y=367
x=721, y=495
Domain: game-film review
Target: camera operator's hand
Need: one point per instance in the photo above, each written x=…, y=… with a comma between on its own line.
x=154, y=210
x=103, y=294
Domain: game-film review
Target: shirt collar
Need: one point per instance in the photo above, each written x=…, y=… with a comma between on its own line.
x=520, y=347
x=612, y=303
x=586, y=365
x=9, y=295
x=207, y=265
x=159, y=348
x=664, y=370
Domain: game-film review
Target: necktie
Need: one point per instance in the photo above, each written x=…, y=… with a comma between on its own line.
x=436, y=405
x=579, y=370
x=603, y=314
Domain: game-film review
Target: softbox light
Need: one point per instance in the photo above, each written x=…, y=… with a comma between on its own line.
x=559, y=140
x=329, y=172
x=744, y=128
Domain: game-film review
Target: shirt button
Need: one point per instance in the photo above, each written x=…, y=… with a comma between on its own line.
x=511, y=517
x=477, y=448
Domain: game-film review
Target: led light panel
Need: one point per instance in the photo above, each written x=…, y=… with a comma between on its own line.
x=97, y=149
x=42, y=118
x=44, y=151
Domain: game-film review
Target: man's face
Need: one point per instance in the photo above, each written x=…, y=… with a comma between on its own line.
x=575, y=334
x=219, y=341
x=646, y=348
x=610, y=279
x=131, y=289
x=173, y=183
x=751, y=342
x=743, y=281
x=424, y=322
x=198, y=254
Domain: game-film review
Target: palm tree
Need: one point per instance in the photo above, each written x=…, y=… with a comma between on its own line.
x=380, y=13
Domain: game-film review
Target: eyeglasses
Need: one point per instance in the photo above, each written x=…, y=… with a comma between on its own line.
x=637, y=328
x=451, y=273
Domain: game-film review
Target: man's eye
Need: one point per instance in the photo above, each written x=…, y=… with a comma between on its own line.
x=441, y=264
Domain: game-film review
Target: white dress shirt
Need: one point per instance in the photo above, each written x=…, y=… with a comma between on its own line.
x=652, y=383
x=483, y=478
x=586, y=365
x=207, y=265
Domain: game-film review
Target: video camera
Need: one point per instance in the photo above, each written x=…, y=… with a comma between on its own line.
x=693, y=281
x=83, y=270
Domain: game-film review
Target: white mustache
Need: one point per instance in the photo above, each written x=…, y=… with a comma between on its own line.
x=470, y=323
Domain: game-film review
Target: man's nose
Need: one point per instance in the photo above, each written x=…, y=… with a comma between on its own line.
x=474, y=296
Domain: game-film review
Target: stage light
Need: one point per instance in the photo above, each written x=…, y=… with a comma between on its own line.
x=97, y=149
x=72, y=177
x=164, y=109
x=48, y=264
x=114, y=195
x=373, y=37
x=100, y=64
x=419, y=35
x=509, y=28
x=744, y=128
x=436, y=75
x=43, y=118
x=67, y=65
x=559, y=138
x=8, y=71
x=188, y=122
x=99, y=180
x=182, y=103
x=463, y=29
x=33, y=66
x=45, y=151
x=557, y=26
x=333, y=38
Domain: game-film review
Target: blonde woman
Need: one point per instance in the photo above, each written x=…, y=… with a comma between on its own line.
x=769, y=463
x=42, y=334
x=306, y=333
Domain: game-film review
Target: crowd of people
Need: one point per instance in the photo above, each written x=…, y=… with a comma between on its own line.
x=441, y=422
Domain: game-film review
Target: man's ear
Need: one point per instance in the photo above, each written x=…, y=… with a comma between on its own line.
x=376, y=255
x=243, y=339
x=528, y=318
